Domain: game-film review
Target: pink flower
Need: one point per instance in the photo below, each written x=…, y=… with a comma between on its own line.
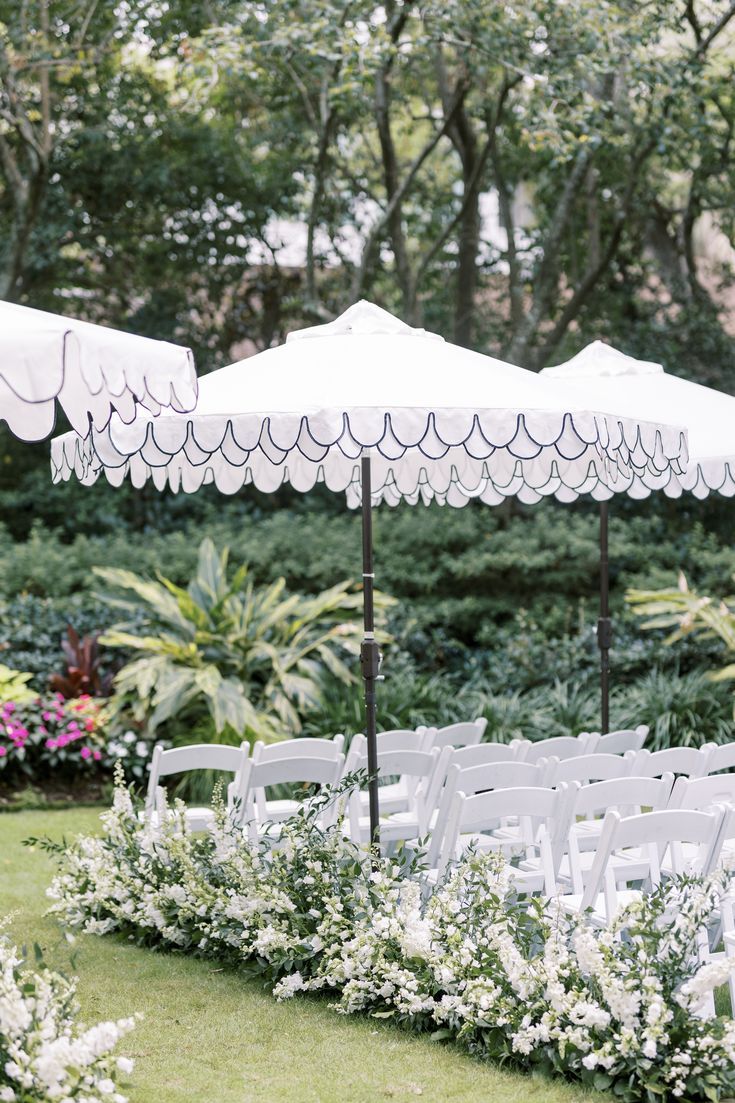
x=85, y=752
x=10, y=706
x=73, y=726
x=2, y=752
x=97, y=755
x=89, y=725
x=50, y=744
x=48, y=715
x=42, y=730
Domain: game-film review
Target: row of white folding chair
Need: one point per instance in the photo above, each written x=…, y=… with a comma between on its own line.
x=578, y=832
x=397, y=796
x=473, y=773
x=196, y=756
x=482, y=768
x=565, y=747
x=598, y=766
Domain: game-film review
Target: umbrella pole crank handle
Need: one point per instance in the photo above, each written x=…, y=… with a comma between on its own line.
x=604, y=634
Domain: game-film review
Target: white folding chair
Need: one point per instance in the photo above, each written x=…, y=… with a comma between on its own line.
x=618, y=742
x=629, y=796
x=655, y=837
x=395, y=796
x=691, y=761
x=424, y=773
x=704, y=793
x=181, y=760
x=293, y=769
x=589, y=767
x=542, y=813
x=466, y=734
x=559, y=746
x=722, y=757
x=280, y=809
x=474, y=769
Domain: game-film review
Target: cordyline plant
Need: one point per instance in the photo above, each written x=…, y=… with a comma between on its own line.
x=254, y=657
x=689, y=612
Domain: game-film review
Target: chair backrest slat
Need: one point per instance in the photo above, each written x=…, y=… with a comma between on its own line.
x=197, y=756
x=618, y=742
x=692, y=761
x=591, y=767
x=722, y=757
x=626, y=795
x=560, y=746
x=466, y=734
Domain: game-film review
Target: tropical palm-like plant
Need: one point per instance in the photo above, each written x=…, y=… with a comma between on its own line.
x=254, y=658
x=688, y=612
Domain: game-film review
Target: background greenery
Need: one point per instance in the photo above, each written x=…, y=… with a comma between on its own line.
x=152, y=158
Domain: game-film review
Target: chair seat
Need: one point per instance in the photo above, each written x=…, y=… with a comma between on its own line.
x=391, y=830
x=197, y=819
x=572, y=904
x=279, y=810
x=634, y=863
x=392, y=798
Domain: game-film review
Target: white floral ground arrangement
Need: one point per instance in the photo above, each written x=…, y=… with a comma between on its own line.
x=45, y=1053
x=618, y=1010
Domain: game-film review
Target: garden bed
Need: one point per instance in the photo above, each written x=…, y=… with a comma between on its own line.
x=204, y=1024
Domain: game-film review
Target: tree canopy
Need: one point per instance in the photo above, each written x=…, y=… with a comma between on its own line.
x=519, y=176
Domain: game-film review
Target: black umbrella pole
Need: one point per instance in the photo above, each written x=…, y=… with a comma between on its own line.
x=369, y=651
x=604, y=624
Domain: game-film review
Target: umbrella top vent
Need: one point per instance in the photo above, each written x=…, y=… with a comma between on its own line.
x=601, y=361
x=363, y=319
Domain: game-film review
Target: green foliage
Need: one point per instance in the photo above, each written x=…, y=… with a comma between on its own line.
x=689, y=613
x=254, y=657
x=681, y=710
x=14, y=685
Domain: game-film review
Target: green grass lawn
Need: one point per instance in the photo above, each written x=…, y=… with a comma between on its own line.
x=212, y=1036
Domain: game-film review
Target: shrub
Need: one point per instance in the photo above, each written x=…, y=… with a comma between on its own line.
x=52, y=738
x=32, y=631
x=254, y=659
x=14, y=685
x=681, y=710
x=45, y=1053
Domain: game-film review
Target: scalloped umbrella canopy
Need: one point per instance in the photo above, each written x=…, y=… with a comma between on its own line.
x=92, y=371
x=439, y=421
x=639, y=388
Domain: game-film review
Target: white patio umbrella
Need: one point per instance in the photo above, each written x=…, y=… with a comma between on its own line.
x=89, y=369
x=367, y=401
x=641, y=389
